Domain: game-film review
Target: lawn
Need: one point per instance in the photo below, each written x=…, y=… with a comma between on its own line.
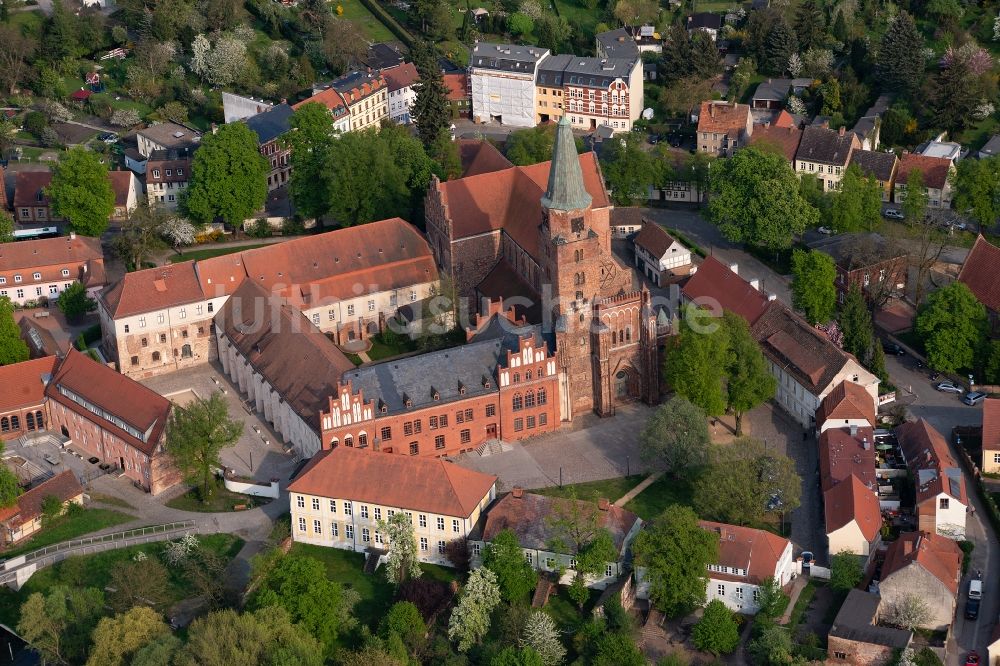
x=373, y=28
x=221, y=500
x=611, y=489
x=71, y=526
x=382, y=348
x=96, y=572
x=583, y=20
x=209, y=252
x=662, y=493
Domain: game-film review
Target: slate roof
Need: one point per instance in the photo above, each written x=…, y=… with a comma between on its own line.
x=559, y=70
x=875, y=164
x=64, y=485
x=757, y=551
x=457, y=373
x=272, y=123
x=979, y=273
x=300, y=363
x=852, y=501
x=847, y=401
x=992, y=147
x=127, y=400
x=23, y=384
x=382, y=55
x=826, y=146
x=654, y=239
x=507, y=57
x=991, y=424
x=785, y=138
x=773, y=90
x=852, y=251
x=929, y=458
x=704, y=20
x=856, y=622
x=409, y=483
x=714, y=281
x=934, y=170
x=939, y=555
x=530, y=517
x=618, y=44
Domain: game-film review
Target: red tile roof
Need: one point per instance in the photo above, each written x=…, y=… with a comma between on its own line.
x=400, y=76
x=784, y=119
x=980, y=274
x=64, y=485
x=125, y=399
x=934, y=169
x=848, y=402
x=29, y=188
x=786, y=139
x=929, y=458
x=851, y=500
x=410, y=483
x=654, y=239
x=939, y=555
x=842, y=456
x=480, y=157
x=511, y=200
x=329, y=98
x=121, y=184
x=49, y=256
x=21, y=384
x=757, y=551
x=716, y=116
x=153, y=289
x=458, y=87
x=717, y=283
x=991, y=424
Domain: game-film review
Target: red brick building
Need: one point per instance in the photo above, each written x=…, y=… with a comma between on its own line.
x=22, y=396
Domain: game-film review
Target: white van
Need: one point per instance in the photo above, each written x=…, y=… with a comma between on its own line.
x=975, y=589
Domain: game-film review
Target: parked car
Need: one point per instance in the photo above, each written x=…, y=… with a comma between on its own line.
x=653, y=139
x=974, y=398
x=972, y=608
x=109, y=137
x=826, y=231
x=949, y=387
x=959, y=226
x=893, y=214
x=893, y=348
x=972, y=659
x=93, y=460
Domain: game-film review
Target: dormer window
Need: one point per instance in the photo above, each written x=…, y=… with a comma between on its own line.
x=65, y=272
x=156, y=173
x=169, y=173
x=36, y=276
x=17, y=278
x=180, y=171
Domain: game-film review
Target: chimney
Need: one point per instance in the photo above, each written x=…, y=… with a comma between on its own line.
x=734, y=267
x=865, y=444
x=841, y=131
x=72, y=235
x=767, y=124
x=603, y=503
x=517, y=492
x=854, y=431
x=772, y=297
x=755, y=283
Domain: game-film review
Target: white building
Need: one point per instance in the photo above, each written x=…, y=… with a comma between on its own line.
x=33, y=270
x=339, y=498
x=503, y=83
x=238, y=107
x=942, y=499
x=166, y=136
x=400, y=80
x=658, y=255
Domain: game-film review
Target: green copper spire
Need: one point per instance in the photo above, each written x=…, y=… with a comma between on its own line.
x=566, y=190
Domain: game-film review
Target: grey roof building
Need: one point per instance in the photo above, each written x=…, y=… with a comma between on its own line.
x=617, y=44
x=881, y=166
x=854, y=632
x=559, y=70
x=824, y=145
x=991, y=149
x=507, y=57
x=271, y=124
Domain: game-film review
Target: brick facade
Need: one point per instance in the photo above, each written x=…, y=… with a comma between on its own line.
x=858, y=653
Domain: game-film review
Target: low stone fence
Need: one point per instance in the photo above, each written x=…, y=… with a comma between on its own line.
x=244, y=486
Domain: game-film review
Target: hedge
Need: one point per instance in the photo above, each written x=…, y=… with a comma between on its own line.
x=391, y=23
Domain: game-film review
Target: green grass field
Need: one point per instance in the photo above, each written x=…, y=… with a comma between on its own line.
x=221, y=500
x=71, y=526
x=611, y=489
x=210, y=252
x=373, y=29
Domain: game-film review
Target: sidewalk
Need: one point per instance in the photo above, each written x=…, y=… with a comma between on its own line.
x=645, y=483
x=797, y=585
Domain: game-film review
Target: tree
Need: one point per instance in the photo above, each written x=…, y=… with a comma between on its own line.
x=675, y=438
x=197, y=433
x=771, y=601
x=118, y=638
x=977, y=189
x=470, y=620
x=402, y=562
x=756, y=200
x=743, y=74
x=692, y=365
x=636, y=12
x=10, y=489
x=511, y=656
x=533, y=145
x=952, y=325
x=140, y=235
x=519, y=24
x=6, y=227
x=552, y=31
x=628, y=169
x=772, y=646
x=404, y=620
x=744, y=481
x=675, y=553
x=12, y=348
x=618, y=649
x=137, y=583
x=908, y=611
x=58, y=624
x=810, y=25
x=81, y=192
x=228, y=176
x=749, y=381
x=857, y=206
x=953, y=95
x=515, y=576
x=779, y=45
x=855, y=322
x=541, y=635
x=299, y=585
x=74, y=302
x=845, y=571
x=814, y=291
x=716, y=632
x=16, y=51
x=900, y=62
x=311, y=137
x=159, y=652
x=431, y=110
x=266, y=636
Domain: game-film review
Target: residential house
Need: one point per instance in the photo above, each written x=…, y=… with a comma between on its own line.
x=880, y=166
x=747, y=557
x=342, y=494
x=532, y=519
x=717, y=286
x=167, y=174
x=503, y=78
x=31, y=201
x=335, y=104
x=22, y=396
x=848, y=405
x=942, y=500
x=723, y=127
x=270, y=126
x=935, y=171
x=991, y=435
x=772, y=93
x=616, y=44
x=592, y=92
x=366, y=97
x=113, y=418
x=348, y=282
x=990, y=149
x=869, y=262
x=459, y=94
x=949, y=150
x=166, y=136
x=710, y=23
x=400, y=80
x=925, y=565
x=22, y=519
x=869, y=126
x=383, y=55
x=34, y=270
x=993, y=647
x=856, y=637
x=127, y=188
x=825, y=153
x=851, y=508
x=979, y=273
x=783, y=140
x=658, y=255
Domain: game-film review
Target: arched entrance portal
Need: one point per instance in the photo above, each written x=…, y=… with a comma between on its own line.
x=626, y=384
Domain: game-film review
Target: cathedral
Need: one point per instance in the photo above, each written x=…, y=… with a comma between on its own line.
x=539, y=238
